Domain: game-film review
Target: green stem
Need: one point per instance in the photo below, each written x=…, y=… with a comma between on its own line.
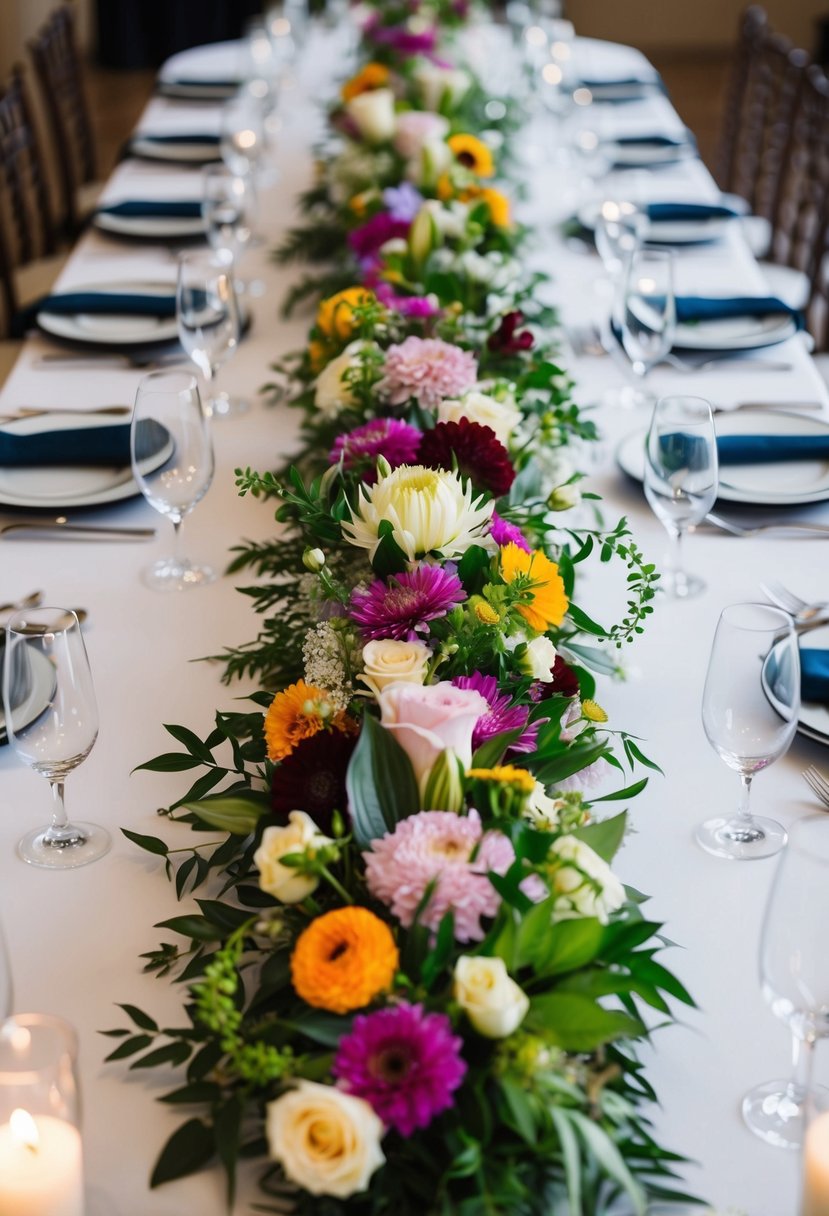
x=336, y=884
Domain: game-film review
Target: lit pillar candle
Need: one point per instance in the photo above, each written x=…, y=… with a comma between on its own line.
x=41, y=1170
x=816, y=1168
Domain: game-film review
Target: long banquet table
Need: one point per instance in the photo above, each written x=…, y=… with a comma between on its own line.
x=74, y=937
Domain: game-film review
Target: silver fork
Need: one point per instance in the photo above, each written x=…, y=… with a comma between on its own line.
x=817, y=783
x=803, y=530
x=726, y=362
x=791, y=603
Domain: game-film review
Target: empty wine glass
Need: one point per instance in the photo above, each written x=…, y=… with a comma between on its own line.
x=209, y=327
x=648, y=313
x=749, y=712
x=176, y=478
x=52, y=722
x=243, y=133
x=228, y=208
x=680, y=479
x=618, y=232
x=794, y=974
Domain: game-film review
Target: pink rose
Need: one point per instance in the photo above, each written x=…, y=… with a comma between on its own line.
x=416, y=129
x=426, y=721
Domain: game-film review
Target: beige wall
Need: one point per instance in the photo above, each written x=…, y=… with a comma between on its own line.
x=20, y=19
x=674, y=24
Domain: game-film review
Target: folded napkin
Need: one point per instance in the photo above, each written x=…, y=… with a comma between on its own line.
x=814, y=675
x=767, y=449
x=181, y=137
x=145, y=208
x=191, y=82
x=652, y=141
x=107, y=446
x=719, y=308
x=101, y=303
x=620, y=82
x=679, y=212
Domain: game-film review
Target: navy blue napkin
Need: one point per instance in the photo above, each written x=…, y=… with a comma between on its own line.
x=182, y=137
x=101, y=303
x=681, y=212
x=145, y=208
x=814, y=675
x=652, y=141
x=107, y=446
x=767, y=449
x=620, y=82
x=191, y=83
x=719, y=308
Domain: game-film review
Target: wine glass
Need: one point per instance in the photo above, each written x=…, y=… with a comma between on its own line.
x=209, y=326
x=680, y=479
x=243, y=133
x=228, y=208
x=648, y=313
x=618, y=232
x=167, y=404
x=749, y=712
x=794, y=974
x=52, y=723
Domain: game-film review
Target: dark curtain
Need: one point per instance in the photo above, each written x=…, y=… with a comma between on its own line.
x=143, y=33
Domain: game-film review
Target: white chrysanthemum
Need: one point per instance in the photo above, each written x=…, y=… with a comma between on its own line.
x=583, y=884
x=430, y=511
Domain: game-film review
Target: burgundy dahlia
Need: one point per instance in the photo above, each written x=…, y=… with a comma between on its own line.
x=312, y=778
x=563, y=684
x=476, y=451
x=404, y=1062
x=401, y=607
x=507, y=340
x=501, y=715
x=358, y=450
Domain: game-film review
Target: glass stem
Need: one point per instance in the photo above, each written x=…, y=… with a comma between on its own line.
x=675, y=561
x=59, y=817
x=178, y=557
x=744, y=808
x=803, y=1059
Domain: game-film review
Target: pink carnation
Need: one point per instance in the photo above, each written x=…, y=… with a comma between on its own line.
x=436, y=846
x=427, y=369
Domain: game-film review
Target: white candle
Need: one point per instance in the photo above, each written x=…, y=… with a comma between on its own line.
x=816, y=1168
x=41, y=1169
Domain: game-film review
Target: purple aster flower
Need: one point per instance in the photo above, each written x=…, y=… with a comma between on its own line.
x=505, y=533
x=420, y=307
x=371, y=236
x=427, y=369
x=403, y=201
x=359, y=449
x=502, y=714
x=404, y=41
x=401, y=607
x=404, y=1062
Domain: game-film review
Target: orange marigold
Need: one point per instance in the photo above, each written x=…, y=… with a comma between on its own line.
x=473, y=154
x=372, y=76
x=343, y=960
x=545, y=602
x=335, y=316
x=297, y=713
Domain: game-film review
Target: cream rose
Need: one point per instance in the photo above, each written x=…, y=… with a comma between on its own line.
x=542, y=810
x=583, y=884
x=433, y=159
x=387, y=661
x=332, y=391
x=373, y=114
x=326, y=1141
x=502, y=416
x=493, y=1002
x=286, y=883
x=436, y=84
x=415, y=129
x=538, y=659
x=427, y=721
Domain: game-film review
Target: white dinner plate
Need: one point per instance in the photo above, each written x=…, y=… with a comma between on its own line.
x=668, y=232
x=157, y=227
x=55, y=487
x=787, y=484
x=813, y=720
x=113, y=330
x=195, y=153
x=40, y=694
x=202, y=90
x=734, y=333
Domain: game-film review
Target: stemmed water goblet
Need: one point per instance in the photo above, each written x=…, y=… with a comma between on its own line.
x=52, y=723
x=681, y=479
x=209, y=325
x=750, y=707
x=243, y=134
x=168, y=404
x=648, y=314
x=228, y=209
x=794, y=974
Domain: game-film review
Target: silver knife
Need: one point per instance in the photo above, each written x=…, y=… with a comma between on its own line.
x=52, y=530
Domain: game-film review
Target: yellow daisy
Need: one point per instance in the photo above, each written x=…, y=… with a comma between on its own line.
x=593, y=711
x=543, y=602
x=473, y=154
x=506, y=774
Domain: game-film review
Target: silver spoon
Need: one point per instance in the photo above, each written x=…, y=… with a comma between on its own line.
x=28, y=601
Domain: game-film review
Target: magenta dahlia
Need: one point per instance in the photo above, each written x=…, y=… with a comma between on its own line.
x=505, y=533
x=502, y=714
x=401, y=607
x=369, y=238
x=358, y=449
x=474, y=449
x=404, y=1062
x=427, y=369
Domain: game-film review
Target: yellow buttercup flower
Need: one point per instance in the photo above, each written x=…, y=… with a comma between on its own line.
x=335, y=315
x=343, y=960
x=506, y=774
x=372, y=76
x=485, y=613
x=473, y=154
x=499, y=206
x=593, y=711
x=299, y=712
x=544, y=602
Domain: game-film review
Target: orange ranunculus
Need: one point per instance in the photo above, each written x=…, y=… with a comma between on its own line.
x=335, y=315
x=343, y=960
x=544, y=602
x=299, y=712
x=372, y=76
x=473, y=154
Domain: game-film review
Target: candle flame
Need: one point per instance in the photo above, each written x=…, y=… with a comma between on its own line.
x=24, y=1129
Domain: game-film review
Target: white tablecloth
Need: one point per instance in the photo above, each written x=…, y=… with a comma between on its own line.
x=75, y=937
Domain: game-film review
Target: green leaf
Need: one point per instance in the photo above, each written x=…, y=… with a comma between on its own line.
x=152, y=844
x=585, y=623
x=191, y=741
x=142, y=1020
x=171, y=1053
x=388, y=557
x=570, y=1155
x=324, y=1028
x=491, y=753
x=225, y=916
x=604, y=837
x=227, y=1122
x=638, y=754
x=654, y=973
x=200, y=1091
x=169, y=762
x=199, y=928
x=570, y=945
x=592, y=657
x=380, y=784
x=129, y=1047
x=183, y=873
x=188, y=1149
x=630, y=791
x=602, y=1148
x=520, y=1107
x=576, y=1023
x=473, y=569
x=238, y=813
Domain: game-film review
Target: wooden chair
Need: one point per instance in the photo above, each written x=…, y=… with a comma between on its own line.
x=753, y=26
x=59, y=72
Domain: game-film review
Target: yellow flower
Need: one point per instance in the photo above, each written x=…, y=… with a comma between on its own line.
x=593, y=712
x=372, y=76
x=506, y=774
x=544, y=602
x=485, y=613
x=499, y=206
x=298, y=713
x=473, y=154
x=335, y=316
x=359, y=202
x=343, y=960
x=316, y=356
x=444, y=188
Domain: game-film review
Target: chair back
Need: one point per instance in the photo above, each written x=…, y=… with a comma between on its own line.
x=25, y=214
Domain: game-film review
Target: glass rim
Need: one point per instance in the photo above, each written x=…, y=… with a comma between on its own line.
x=782, y=617
x=670, y=400
x=32, y=1021
x=17, y=622
x=170, y=373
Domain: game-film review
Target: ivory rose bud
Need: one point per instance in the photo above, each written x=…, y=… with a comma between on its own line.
x=502, y=416
x=287, y=883
x=333, y=388
x=493, y=1002
x=416, y=128
x=327, y=1141
x=582, y=883
x=542, y=810
x=373, y=115
x=437, y=85
x=426, y=721
x=537, y=661
x=388, y=661
x=433, y=159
